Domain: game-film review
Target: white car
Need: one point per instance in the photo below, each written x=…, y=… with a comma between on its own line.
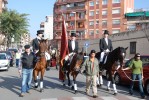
x=4, y=62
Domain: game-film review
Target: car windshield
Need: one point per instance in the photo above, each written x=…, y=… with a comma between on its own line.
x=2, y=57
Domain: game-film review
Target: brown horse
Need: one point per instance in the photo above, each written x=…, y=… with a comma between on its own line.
x=40, y=65
x=73, y=69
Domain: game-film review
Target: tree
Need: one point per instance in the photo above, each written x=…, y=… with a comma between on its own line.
x=13, y=24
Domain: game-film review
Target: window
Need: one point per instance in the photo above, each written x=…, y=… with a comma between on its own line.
x=91, y=23
x=116, y=1
x=91, y=32
x=132, y=47
x=104, y=12
x=104, y=2
x=97, y=31
x=91, y=13
x=116, y=22
x=91, y=3
x=115, y=31
x=131, y=27
x=104, y=22
x=97, y=22
x=97, y=12
x=115, y=11
x=97, y=2
x=72, y=14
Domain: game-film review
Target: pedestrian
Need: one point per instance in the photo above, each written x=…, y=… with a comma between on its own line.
x=26, y=70
x=91, y=66
x=18, y=56
x=137, y=72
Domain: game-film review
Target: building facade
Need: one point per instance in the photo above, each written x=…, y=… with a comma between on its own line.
x=89, y=18
x=47, y=27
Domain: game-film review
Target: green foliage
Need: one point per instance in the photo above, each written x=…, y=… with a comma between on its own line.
x=14, y=24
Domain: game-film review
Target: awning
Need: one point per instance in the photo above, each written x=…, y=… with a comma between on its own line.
x=135, y=14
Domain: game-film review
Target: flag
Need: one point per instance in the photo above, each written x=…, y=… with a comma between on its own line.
x=64, y=49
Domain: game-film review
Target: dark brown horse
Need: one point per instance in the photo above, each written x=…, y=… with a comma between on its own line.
x=40, y=65
x=73, y=69
x=117, y=55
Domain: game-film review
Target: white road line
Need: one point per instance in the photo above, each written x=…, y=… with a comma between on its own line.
x=50, y=99
x=80, y=98
x=108, y=98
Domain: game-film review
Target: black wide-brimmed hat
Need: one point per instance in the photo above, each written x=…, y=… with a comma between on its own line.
x=106, y=32
x=39, y=32
x=92, y=51
x=137, y=55
x=27, y=46
x=73, y=34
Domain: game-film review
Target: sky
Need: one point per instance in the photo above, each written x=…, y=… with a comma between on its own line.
x=39, y=9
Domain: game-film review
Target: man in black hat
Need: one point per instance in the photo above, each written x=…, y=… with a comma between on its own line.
x=73, y=44
x=105, y=45
x=26, y=70
x=37, y=40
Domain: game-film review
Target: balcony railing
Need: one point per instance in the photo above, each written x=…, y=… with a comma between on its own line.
x=68, y=1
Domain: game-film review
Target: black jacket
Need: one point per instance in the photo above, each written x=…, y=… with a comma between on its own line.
x=28, y=61
x=35, y=44
x=70, y=47
x=103, y=45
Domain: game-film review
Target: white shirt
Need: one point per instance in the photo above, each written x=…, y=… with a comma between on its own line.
x=106, y=39
x=73, y=45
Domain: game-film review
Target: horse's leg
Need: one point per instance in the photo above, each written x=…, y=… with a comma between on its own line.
x=113, y=83
x=75, y=84
x=100, y=79
x=41, y=79
x=109, y=80
x=64, y=79
x=35, y=73
x=68, y=78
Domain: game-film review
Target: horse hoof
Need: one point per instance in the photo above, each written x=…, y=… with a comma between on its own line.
x=115, y=94
x=41, y=90
x=99, y=85
x=76, y=91
x=36, y=86
x=72, y=88
x=64, y=85
x=69, y=84
x=108, y=89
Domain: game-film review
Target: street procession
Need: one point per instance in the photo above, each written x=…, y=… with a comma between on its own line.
x=74, y=50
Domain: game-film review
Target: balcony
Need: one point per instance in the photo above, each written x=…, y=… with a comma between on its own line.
x=68, y=1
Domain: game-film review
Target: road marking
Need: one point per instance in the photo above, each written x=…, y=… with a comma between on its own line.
x=80, y=98
x=50, y=99
x=108, y=98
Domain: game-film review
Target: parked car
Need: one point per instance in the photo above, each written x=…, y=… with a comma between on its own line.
x=4, y=62
x=12, y=50
x=10, y=57
x=121, y=77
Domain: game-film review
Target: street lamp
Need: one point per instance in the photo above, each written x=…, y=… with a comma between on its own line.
x=75, y=20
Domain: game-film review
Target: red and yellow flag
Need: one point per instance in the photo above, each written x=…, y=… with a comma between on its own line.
x=64, y=49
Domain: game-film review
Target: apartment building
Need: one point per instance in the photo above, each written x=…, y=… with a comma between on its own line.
x=89, y=18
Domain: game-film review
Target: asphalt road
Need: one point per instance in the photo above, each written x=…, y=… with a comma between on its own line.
x=10, y=83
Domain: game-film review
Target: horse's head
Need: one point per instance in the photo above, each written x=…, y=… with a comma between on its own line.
x=43, y=46
x=77, y=61
x=122, y=54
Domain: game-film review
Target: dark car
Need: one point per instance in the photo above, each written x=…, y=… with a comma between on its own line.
x=124, y=77
x=10, y=57
x=12, y=50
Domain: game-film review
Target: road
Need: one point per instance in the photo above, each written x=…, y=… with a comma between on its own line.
x=10, y=83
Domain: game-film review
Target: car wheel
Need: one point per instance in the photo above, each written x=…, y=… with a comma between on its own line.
x=147, y=87
x=7, y=68
x=117, y=78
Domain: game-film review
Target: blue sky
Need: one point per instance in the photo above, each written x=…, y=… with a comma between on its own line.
x=38, y=9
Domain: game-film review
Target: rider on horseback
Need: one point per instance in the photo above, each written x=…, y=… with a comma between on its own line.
x=73, y=49
x=105, y=45
x=36, y=43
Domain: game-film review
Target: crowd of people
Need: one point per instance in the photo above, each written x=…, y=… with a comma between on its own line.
x=90, y=65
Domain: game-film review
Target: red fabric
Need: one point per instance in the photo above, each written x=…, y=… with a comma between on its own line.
x=64, y=48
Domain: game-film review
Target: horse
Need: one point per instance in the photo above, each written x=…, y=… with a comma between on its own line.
x=40, y=65
x=73, y=68
x=117, y=55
